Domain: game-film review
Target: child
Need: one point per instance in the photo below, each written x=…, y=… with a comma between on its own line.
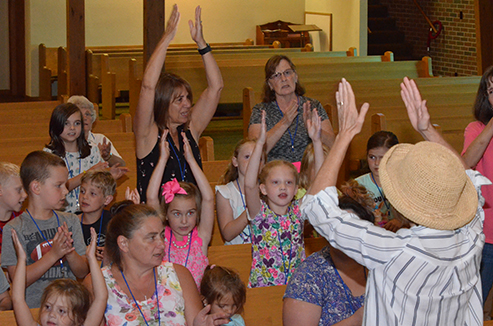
x=12, y=194
x=223, y=289
x=96, y=191
x=378, y=144
x=53, y=240
x=68, y=142
x=230, y=199
x=64, y=302
x=188, y=211
x=277, y=225
x=425, y=275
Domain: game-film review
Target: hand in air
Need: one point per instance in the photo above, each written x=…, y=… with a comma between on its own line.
x=263, y=129
x=21, y=254
x=105, y=149
x=132, y=195
x=91, y=249
x=196, y=29
x=118, y=171
x=164, y=146
x=312, y=121
x=172, y=25
x=187, y=149
x=101, y=166
x=350, y=121
x=416, y=107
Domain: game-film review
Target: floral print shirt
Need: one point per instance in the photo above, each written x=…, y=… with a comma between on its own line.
x=278, y=246
x=121, y=310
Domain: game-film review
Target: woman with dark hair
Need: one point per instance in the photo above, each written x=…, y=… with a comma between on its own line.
x=165, y=102
x=478, y=155
x=287, y=111
x=142, y=289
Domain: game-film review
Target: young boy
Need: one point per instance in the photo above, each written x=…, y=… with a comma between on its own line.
x=12, y=194
x=425, y=275
x=52, y=239
x=96, y=191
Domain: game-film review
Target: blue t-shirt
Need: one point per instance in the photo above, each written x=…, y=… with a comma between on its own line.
x=316, y=281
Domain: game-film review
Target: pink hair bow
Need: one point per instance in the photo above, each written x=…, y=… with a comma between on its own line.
x=170, y=189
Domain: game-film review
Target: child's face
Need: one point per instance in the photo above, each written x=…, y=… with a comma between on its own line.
x=91, y=198
x=53, y=190
x=12, y=194
x=241, y=162
x=280, y=186
x=56, y=311
x=224, y=305
x=72, y=128
x=182, y=216
x=374, y=157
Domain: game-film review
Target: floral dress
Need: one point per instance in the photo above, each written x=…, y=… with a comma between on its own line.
x=122, y=311
x=278, y=246
x=185, y=253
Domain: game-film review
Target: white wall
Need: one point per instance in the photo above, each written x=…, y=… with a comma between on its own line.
x=4, y=45
x=349, y=25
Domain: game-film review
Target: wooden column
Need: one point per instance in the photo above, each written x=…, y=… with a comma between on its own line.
x=153, y=25
x=76, y=44
x=484, y=37
x=17, y=47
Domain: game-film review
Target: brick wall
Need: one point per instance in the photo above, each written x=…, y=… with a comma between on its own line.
x=454, y=51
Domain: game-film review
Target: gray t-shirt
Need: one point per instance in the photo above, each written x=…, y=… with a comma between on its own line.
x=4, y=284
x=35, y=245
x=293, y=142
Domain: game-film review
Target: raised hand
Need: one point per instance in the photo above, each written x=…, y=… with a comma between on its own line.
x=263, y=129
x=118, y=171
x=60, y=246
x=164, y=146
x=21, y=254
x=132, y=195
x=187, y=150
x=100, y=166
x=350, y=121
x=416, y=107
x=105, y=149
x=313, y=122
x=196, y=29
x=91, y=249
x=172, y=25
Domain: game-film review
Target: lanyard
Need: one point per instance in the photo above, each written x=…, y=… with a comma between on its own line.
x=77, y=190
x=189, y=246
x=296, y=129
x=157, y=298
x=58, y=222
x=380, y=191
x=182, y=171
x=244, y=236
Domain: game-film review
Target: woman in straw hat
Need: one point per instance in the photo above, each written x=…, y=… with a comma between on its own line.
x=425, y=275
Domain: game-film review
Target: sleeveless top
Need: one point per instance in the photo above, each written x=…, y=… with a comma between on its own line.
x=196, y=262
x=121, y=309
x=174, y=167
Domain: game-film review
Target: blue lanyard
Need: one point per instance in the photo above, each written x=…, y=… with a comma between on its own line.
x=244, y=236
x=380, y=191
x=182, y=171
x=286, y=271
x=189, y=246
x=157, y=298
x=58, y=222
x=296, y=129
x=77, y=190
x=100, y=225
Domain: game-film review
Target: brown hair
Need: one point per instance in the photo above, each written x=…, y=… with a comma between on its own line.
x=218, y=282
x=125, y=223
x=270, y=69
x=192, y=192
x=359, y=193
x=35, y=167
x=272, y=164
x=165, y=93
x=482, y=109
x=307, y=163
x=231, y=172
x=102, y=180
x=381, y=139
x=78, y=298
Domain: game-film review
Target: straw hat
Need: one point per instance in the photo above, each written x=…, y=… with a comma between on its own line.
x=427, y=183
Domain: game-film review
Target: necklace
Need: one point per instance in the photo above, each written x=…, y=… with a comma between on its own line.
x=157, y=298
x=291, y=137
x=181, y=247
x=244, y=235
x=189, y=244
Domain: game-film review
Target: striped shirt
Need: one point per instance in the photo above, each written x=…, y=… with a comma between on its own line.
x=418, y=276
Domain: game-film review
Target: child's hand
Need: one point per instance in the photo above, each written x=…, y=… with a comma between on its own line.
x=101, y=166
x=204, y=319
x=60, y=245
x=91, y=249
x=21, y=254
x=132, y=195
x=187, y=150
x=68, y=235
x=164, y=146
x=100, y=253
x=263, y=129
x=313, y=122
x=118, y=171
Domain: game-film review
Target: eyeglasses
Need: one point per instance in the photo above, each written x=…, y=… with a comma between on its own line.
x=278, y=75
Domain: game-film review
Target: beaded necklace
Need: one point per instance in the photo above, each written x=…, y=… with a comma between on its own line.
x=189, y=244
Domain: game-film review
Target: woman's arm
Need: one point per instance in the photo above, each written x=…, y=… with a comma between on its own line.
x=230, y=227
x=297, y=312
x=477, y=147
x=206, y=105
x=23, y=315
x=153, y=188
x=95, y=315
x=252, y=196
x=207, y=210
x=145, y=128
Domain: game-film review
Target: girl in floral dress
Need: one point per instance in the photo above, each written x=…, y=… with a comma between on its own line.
x=276, y=223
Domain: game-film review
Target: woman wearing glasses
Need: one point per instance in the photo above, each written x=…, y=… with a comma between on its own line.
x=287, y=110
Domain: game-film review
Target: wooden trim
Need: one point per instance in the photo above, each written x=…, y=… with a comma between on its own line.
x=17, y=47
x=153, y=26
x=76, y=46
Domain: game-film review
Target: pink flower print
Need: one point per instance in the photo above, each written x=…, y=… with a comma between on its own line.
x=285, y=225
x=273, y=272
x=130, y=317
x=114, y=320
x=296, y=210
